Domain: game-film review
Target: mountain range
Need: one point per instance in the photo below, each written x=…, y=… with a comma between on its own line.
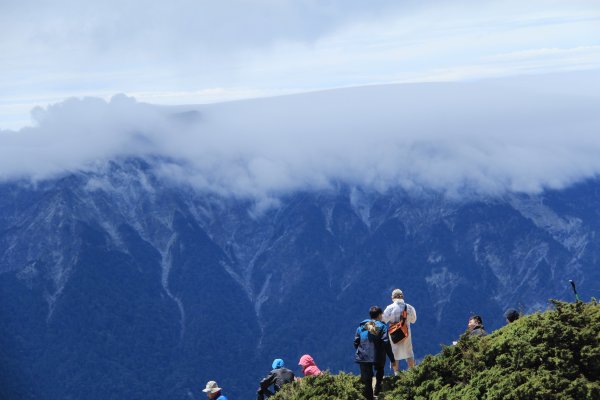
x=118, y=283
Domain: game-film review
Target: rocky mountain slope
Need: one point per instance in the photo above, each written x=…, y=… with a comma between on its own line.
x=119, y=284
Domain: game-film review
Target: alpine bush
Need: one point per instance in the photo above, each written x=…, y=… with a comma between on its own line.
x=550, y=355
x=324, y=386
x=554, y=355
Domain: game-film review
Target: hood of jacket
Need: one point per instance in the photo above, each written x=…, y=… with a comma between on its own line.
x=306, y=361
x=372, y=326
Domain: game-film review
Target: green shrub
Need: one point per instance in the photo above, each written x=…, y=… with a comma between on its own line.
x=550, y=355
x=322, y=387
x=553, y=355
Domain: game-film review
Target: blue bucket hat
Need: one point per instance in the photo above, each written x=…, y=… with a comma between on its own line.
x=277, y=363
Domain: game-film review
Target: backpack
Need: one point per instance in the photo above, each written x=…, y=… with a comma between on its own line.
x=399, y=330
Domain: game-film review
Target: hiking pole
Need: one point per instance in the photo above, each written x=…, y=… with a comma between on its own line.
x=574, y=289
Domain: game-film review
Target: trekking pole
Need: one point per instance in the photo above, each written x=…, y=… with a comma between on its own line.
x=574, y=289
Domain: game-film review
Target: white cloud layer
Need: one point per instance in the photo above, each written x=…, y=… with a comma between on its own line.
x=488, y=137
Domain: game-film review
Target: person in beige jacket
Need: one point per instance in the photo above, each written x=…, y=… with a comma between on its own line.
x=392, y=314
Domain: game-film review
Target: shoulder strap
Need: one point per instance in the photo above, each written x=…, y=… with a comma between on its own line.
x=404, y=316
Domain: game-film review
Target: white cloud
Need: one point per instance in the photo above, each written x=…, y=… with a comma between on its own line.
x=487, y=137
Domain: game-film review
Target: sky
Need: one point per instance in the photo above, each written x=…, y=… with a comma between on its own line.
x=453, y=96
x=197, y=51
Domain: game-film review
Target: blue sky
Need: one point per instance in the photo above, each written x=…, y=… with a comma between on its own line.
x=190, y=51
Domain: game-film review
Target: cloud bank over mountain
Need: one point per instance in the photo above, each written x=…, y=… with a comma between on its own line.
x=486, y=137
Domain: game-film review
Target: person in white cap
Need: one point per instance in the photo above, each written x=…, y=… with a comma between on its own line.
x=213, y=391
x=403, y=350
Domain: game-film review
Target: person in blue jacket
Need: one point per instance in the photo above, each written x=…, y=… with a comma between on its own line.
x=372, y=343
x=213, y=391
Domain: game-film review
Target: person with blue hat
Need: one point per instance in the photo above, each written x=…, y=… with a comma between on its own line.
x=278, y=377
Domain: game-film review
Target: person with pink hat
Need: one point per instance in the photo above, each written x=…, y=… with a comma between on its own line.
x=308, y=366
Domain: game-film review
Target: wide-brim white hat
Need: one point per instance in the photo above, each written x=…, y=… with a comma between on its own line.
x=211, y=387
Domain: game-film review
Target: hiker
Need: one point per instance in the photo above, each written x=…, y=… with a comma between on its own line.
x=308, y=366
x=475, y=326
x=511, y=315
x=213, y=391
x=278, y=377
x=403, y=350
x=372, y=343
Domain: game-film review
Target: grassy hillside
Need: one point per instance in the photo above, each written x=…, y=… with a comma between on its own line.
x=550, y=355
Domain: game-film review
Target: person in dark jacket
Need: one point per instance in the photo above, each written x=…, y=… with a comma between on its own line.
x=278, y=377
x=475, y=326
x=511, y=315
x=372, y=343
